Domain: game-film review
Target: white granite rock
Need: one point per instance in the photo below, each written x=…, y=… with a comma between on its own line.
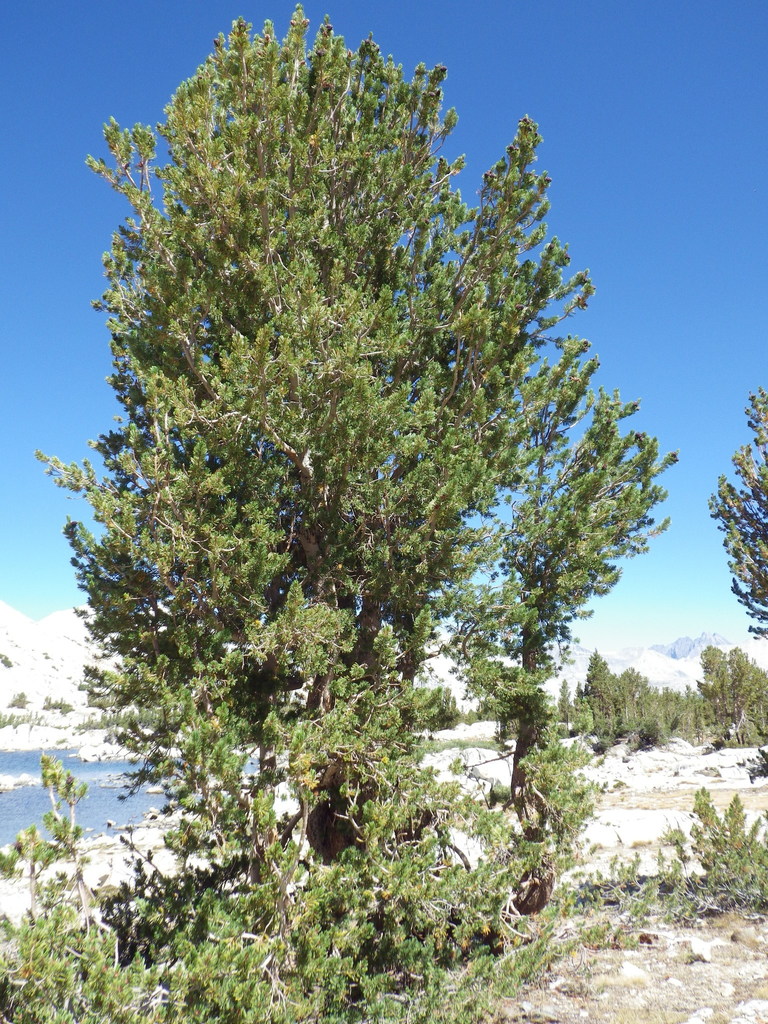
x=48, y=737
x=480, y=768
x=700, y=1016
x=633, y=827
x=754, y=1011
x=677, y=765
x=700, y=950
x=8, y=782
x=103, y=752
x=634, y=974
x=464, y=732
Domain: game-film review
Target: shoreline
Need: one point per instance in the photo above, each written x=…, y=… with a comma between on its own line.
x=90, y=744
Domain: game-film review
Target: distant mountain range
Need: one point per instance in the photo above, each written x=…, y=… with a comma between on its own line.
x=684, y=647
x=44, y=660
x=675, y=665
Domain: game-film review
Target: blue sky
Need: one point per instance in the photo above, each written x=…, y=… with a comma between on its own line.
x=654, y=122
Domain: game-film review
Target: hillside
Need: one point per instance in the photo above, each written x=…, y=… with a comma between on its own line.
x=42, y=660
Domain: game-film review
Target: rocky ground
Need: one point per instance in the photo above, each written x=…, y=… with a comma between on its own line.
x=713, y=972
x=716, y=972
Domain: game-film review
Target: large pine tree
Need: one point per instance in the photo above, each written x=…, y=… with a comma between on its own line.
x=350, y=425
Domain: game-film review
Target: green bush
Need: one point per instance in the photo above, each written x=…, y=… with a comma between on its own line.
x=732, y=855
x=49, y=704
x=648, y=733
x=440, y=709
x=370, y=938
x=722, y=867
x=13, y=720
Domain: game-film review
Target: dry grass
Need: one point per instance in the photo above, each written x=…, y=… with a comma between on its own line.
x=603, y=982
x=644, y=1015
x=740, y=932
x=682, y=799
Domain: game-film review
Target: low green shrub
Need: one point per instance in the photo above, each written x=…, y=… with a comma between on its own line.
x=439, y=709
x=49, y=704
x=732, y=855
x=723, y=866
x=649, y=732
x=407, y=931
x=14, y=720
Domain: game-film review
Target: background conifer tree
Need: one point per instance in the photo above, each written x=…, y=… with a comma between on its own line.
x=735, y=689
x=742, y=513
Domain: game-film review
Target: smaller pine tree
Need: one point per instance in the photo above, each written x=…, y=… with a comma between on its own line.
x=741, y=510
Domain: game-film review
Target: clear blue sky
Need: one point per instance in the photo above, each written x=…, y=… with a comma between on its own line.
x=654, y=120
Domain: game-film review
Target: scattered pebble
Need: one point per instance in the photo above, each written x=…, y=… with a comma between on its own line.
x=700, y=950
x=755, y=1011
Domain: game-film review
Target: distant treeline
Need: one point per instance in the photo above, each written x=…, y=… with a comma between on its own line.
x=730, y=704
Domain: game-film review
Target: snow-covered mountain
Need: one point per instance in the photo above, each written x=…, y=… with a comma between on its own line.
x=41, y=660
x=684, y=647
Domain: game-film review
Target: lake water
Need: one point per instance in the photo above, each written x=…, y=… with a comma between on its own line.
x=26, y=805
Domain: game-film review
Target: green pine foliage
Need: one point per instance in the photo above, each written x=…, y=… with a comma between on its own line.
x=62, y=963
x=729, y=705
x=351, y=427
x=733, y=856
x=32, y=852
